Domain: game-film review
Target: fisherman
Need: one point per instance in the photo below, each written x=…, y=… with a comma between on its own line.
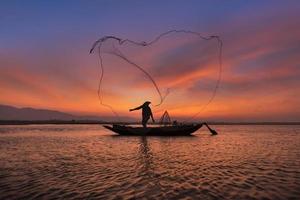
x=146, y=113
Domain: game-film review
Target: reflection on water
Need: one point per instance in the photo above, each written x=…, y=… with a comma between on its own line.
x=145, y=156
x=87, y=162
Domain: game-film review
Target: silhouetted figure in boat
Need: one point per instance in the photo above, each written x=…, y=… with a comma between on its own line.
x=146, y=113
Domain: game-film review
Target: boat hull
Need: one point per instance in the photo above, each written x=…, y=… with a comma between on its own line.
x=182, y=130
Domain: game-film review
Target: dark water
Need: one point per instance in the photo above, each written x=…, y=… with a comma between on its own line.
x=87, y=162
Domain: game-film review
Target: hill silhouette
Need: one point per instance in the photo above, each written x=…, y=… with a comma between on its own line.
x=12, y=113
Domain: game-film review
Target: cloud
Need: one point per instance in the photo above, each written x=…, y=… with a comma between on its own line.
x=260, y=80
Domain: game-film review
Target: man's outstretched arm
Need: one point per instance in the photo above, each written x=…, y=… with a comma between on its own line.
x=137, y=108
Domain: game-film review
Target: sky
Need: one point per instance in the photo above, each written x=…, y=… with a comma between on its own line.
x=45, y=60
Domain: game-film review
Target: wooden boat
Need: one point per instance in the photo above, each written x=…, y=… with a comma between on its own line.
x=176, y=130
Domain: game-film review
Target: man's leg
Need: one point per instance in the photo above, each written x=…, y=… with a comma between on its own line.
x=144, y=122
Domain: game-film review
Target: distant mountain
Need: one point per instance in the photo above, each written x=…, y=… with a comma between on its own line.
x=14, y=113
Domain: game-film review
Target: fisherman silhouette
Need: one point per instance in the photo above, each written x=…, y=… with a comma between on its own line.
x=146, y=113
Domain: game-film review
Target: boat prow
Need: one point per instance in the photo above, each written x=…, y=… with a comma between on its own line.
x=177, y=130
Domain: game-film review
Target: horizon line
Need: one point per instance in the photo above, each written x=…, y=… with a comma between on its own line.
x=56, y=121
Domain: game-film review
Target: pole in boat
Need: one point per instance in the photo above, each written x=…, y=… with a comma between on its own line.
x=212, y=131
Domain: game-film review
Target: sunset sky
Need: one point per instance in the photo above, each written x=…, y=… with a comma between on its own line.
x=45, y=61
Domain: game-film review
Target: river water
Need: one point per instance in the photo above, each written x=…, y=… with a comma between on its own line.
x=89, y=162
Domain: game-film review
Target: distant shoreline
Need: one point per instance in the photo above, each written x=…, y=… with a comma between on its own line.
x=45, y=122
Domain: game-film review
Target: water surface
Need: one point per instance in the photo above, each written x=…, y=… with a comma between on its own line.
x=89, y=162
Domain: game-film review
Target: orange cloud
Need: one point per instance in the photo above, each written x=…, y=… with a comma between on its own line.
x=260, y=76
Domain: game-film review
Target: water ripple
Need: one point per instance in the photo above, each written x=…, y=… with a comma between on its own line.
x=87, y=162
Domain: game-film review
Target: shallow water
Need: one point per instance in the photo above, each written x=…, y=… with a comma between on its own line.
x=88, y=162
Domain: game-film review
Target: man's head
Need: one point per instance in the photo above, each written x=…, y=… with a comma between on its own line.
x=147, y=103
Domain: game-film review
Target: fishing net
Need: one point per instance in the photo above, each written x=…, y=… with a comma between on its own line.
x=165, y=119
x=178, y=70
